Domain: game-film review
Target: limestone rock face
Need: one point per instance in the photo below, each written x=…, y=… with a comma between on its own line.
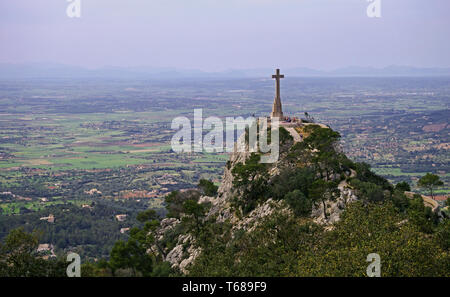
x=185, y=251
x=334, y=208
x=166, y=225
x=193, y=254
x=183, y=254
x=175, y=256
x=251, y=221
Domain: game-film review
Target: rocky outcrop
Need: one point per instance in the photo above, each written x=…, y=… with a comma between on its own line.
x=220, y=207
x=166, y=225
x=334, y=208
x=183, y=254
x=251, y=221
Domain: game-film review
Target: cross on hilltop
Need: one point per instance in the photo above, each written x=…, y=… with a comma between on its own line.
x=277, y=110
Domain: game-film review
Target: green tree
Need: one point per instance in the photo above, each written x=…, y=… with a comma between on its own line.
x=175, y=200
x=285, y=245
x=322, y=191
x=400, y=200
x=251, y=180
x=245, y=173
x=430, y=182
x=420, y=215
x=18, y=254
x=299, y=203
x=208, y=187
x=289, y=180
x=368, y=190
x=443, y=234
x=147, y=215
x=374, y=228
x=403, y=186
x=322, y=139
x=195, y=213
x=131, y=255
x=138, y=254
x=365, y=174
x=19, y=257
x=323, y=142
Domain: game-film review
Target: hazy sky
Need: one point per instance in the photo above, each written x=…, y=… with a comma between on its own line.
x=222, y=34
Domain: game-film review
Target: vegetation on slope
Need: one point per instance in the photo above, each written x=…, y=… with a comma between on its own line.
x=410, y=239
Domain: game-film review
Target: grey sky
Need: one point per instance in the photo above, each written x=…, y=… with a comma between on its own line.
x=222, y=34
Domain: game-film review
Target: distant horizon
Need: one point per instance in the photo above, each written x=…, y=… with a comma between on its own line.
x=216, y=36
x=58, y=70
x=108, y=66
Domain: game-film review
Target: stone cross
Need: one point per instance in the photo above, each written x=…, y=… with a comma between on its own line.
x=277, y=109
x=277, y=77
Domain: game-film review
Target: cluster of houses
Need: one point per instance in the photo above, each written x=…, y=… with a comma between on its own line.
x=93, y=192
x=122, y=218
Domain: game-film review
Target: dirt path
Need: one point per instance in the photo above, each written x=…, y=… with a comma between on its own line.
x=294, y=134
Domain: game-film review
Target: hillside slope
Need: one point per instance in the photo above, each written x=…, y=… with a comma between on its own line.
x=314, y=212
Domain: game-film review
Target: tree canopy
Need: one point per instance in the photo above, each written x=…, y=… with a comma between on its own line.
x=430, y=182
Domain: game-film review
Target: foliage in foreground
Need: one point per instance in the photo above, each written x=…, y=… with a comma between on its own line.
x=286, y=245
x=19, y=257
x=407, y=235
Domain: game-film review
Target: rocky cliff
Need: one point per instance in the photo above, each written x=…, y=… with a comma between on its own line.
x=227, y=205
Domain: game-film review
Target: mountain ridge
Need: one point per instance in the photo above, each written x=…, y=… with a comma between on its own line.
x=54, y=70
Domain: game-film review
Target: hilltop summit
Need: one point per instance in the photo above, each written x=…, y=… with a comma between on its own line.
x=311, y=212
x=314, y=212
x=251, y=191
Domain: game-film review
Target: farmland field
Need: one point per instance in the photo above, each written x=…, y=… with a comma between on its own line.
x=105, y=145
